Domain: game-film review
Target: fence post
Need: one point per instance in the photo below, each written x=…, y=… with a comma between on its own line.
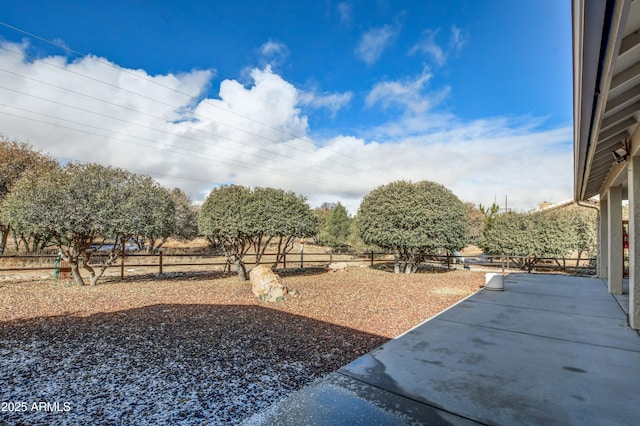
x=160, y=263
x=122, y=261
x=56, y=266
x=302, y=257
x=284, y=261
x=330, y=258
x=372, y=258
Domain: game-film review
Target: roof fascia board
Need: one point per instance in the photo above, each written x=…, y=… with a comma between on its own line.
x=585, y=65
x=613, y=33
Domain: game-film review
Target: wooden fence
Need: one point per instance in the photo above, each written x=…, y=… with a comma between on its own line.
x=161, y=263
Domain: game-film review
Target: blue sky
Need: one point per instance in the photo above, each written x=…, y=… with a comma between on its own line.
x=326, y=98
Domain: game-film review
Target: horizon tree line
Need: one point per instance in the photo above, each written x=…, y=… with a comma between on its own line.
x=80, y=207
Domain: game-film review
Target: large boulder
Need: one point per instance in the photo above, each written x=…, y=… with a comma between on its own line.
x=337, y=267
x=266, y=284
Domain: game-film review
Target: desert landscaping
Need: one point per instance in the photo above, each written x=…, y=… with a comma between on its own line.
x=199, y=348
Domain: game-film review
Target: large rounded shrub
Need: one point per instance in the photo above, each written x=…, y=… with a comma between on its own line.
x=413, y=220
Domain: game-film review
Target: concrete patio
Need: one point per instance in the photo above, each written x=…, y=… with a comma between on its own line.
x=550, y=349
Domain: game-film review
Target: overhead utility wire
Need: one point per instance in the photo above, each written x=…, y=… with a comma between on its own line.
x=152, y=81
x=68, y=49
x=240, y=163
x=280, y=155
x=227, y=160
x=146, y=172
x=174, y=107
x=222, y=147
x=206, y=155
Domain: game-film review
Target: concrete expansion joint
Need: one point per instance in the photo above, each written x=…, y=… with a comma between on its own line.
x=540, y=310
x=542, y=336
x=538, y=294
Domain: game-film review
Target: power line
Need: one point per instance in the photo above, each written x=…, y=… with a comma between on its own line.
x=127, y=122
x=146, y=172
x=174, y=108
x=181, y=136
x=152, y=81
x=227, y=160
x=144, y=127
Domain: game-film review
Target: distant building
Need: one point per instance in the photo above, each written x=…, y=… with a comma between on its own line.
x=546, y=206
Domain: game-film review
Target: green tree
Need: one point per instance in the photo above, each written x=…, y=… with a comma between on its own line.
x=337, y=227
x=170, y=209
x=530, y=236
x=156, y=217
x=322, y=213
x=16, y=158
x=585, y=221
x=279, y=217
x=584, y=224
x=490, y=214
x=355, y=240
x=237, y=219
x=186, y=216
x=84, y=207
x=225, y=221
x=508, y=235
x=477, y=221
x=556, y=236
x=414, y=220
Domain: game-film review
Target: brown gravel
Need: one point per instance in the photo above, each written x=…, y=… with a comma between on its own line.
x=197, y=349
x=364, y=299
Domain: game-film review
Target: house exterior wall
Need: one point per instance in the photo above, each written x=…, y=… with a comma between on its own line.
x=634, y=242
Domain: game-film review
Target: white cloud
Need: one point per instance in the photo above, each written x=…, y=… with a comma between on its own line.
x=374, y=42
x=330, y=101
x=409, y=94
x=273, y=53
x=458, y=39
x=428, y=46
x=344, y=10
x=256, y=134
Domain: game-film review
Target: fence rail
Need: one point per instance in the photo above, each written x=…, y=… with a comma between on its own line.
x=161, y=262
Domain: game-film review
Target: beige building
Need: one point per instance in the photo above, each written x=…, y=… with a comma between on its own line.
x=606, y=80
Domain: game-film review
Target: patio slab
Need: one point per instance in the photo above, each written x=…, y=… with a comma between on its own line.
x=547, y=350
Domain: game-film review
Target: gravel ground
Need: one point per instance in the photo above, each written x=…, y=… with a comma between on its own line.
x=195, y=350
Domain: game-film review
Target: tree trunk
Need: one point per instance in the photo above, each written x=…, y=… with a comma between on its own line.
x=408, y=267
x=155, y=244
x=141, y=243
x=71, y=257
x=16, y=243
x=279, y=253
x=241, y=268
x=151, y=246
x=4, y=230
x=283, y=249
x=531, y=262
x=396, y=263
x=578, y=261
x=75, y=272
x=93, y=278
